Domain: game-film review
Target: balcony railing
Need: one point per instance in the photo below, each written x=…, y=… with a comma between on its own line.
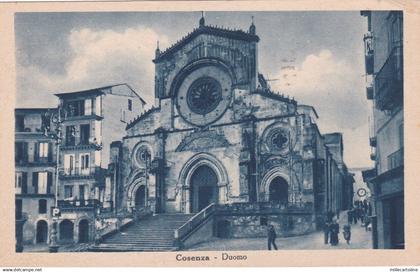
x=90, y=172
x=389, y=82
x=69, y=205
x=396, y=159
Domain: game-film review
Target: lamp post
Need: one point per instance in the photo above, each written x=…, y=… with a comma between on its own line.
x=57, y=137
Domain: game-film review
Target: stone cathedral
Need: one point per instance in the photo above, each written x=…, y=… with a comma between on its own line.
x=219, y=134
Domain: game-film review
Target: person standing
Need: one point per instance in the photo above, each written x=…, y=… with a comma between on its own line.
x=335, y=229
x=327, y=229
x=347, y=233
x=271, y=237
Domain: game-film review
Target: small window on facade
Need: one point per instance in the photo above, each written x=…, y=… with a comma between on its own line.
x=42, y=182
x=43, y=150
x=68, y=191
x=70, y=135
x=42, y=206
x=84, y=134
x=130, y=105
x=84, y=163
x=20, y=123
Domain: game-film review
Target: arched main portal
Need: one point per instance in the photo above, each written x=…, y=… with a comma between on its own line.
x=140, y=198
x=278, y=190
x=84, y=231
x=41, y=232
x=66, y=230
x=204, y=189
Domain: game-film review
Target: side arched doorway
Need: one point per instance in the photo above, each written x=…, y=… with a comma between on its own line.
x=84, y=231
x=41, y=232
x=66, y=231
x=204, y=189
x=140, y=198
x=279, y=191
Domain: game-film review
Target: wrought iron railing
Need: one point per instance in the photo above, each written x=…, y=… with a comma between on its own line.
x=80, y=172
x=194, y=221
x=396, y=159
x=389, y=81
x=76, y=204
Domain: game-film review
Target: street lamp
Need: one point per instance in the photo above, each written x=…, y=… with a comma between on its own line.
x=57, y=136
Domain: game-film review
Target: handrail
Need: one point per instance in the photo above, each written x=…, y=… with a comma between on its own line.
x=194, y=221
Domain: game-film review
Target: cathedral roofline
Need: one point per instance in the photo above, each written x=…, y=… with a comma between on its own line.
x=141, y=117
x=211, y=30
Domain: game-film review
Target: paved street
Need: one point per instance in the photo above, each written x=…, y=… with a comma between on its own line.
x=360, y=240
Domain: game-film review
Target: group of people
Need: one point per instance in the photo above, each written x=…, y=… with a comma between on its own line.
x=360, y=212
x=332, y=230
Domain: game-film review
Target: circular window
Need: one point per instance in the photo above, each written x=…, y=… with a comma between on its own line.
x=142, y=155
x=278, y=140
x=204, y=95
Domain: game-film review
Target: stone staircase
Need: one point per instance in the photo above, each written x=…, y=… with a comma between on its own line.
x=153, y=233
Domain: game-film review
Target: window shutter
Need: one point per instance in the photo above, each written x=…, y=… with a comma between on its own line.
x=35, y=181
x=24, y=183
x=50, y=152
x=49, y=182
x=25, y=152
x=36, y=155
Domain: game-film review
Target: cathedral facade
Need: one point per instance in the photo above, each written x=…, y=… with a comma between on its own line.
x=218, y=134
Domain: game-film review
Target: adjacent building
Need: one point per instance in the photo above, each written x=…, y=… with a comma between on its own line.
x=384, y=65
x=35, y=168
x=91, y=121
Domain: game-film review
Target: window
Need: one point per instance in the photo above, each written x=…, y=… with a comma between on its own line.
x=70, y=135
x=69, y=164
x=75, y=108
x=20, y=123
x=130, y=105
x=84, y=163
x=43, y=150
x=98, y=132
x=42, y=206
x=21, y=152
x=18, y=208
x=68, y=191
x=21, y=183
x=81, y=192
x=84, y=134
x=88, y=106
x=42, y=182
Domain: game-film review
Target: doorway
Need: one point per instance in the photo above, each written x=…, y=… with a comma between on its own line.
x=140, y=198
x=84, y=231
x=66, y=231
x=204, y=189
x=41, y=232
x=278, y=191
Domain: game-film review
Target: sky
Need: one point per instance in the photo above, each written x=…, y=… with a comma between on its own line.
x=315, y=57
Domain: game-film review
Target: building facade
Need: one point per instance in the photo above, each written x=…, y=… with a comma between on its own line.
x=91, y=121
x=384, y=65
x=219, y=134
x=35, y=166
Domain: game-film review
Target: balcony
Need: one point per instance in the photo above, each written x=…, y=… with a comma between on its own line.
x=73, y=205
x=368, y=40
x=389, y=82
x=396, y=159
x=86, y=173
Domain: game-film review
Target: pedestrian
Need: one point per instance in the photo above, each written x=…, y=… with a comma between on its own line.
x=347, y=233
x=327, y=229
x=271, y=237
x=349, y=217
x=335, y=229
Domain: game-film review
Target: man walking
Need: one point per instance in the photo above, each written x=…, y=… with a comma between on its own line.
x=271, y=237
